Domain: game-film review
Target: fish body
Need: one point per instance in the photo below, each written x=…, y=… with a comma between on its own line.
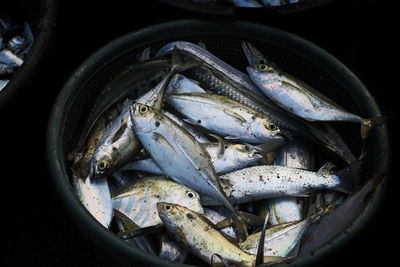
x=95, y=196
x=138, y=200
x=168, y=143
x=200, y=237
x=181, y=84
x=120, y=143
x=234, y=157
x=295, y=96
x=288, y=209
x=212, y=61
x=198, y=135
x=269, y=181
x=225, y=117
x=279, y=239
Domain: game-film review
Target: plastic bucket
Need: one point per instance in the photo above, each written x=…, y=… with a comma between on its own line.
x=294, y=54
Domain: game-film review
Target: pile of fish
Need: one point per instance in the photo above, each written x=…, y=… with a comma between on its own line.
x=15, y=43
x=232, y=168
x=248, y=3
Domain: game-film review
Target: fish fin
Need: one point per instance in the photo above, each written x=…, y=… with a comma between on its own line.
x=221, y=145
x=368, y=124
x=190, y=121
x=260, y=249
x=202, y=44
x=348, y=177
x=159, y=138
x=240, y=228
x=233, y=114
x=227, y=222
x=224, y=262
x=145, y=55
x=231, y=137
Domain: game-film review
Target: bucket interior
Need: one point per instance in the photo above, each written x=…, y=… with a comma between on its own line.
x=294, y=55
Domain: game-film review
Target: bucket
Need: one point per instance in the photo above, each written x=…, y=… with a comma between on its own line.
x=41, y=17
x=293, y=54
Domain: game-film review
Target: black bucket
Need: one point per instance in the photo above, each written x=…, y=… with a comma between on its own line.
x=294, y=54
x=41, y=16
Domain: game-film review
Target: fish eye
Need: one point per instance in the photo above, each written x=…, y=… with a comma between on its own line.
x=247, y=148
x=271, y=126
x=263, y=67
x=143, y=109
x=168, y=208
x=190, y=194
x=102, y=165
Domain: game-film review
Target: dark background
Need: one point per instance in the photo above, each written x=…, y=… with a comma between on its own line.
x=38, y=230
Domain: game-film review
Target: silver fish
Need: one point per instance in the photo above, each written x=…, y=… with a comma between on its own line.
x=95, y=196
x=288, y=209
x=138, y=200
x=168, y=143
x=234, y=157
x=269, y=181
x=279, y=239
x=119, y=143
x=225, y=117
x=200, y=237
x=198, y=135
x=181, y=84
x=296, y=96
x=203, y=55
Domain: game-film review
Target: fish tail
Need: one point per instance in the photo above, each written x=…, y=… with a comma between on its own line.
x=349, y=178
x=368, y=124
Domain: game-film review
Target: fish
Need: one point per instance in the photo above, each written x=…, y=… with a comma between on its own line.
x=216, y=217
x=237, y=77
x=181, y=84
x=195, y=132
x=234, y=156
x=279, y=240
x=291, y=127
x=225, y=117
x=294, y=155
x=168, y=143
x=116, y=147
x=95, y=196
x=137, y=200
x=296, y=96
x=270, y=181
x=198, y=235
x=119, y=143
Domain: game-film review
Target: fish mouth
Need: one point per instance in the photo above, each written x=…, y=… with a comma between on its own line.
x=249, y=51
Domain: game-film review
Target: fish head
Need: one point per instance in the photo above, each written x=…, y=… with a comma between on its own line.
x=101, y=164
x=184, y=196
x=144, y=118
x=264, y=129
x=247, y=151
x=253, y=55
x=171, y=215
